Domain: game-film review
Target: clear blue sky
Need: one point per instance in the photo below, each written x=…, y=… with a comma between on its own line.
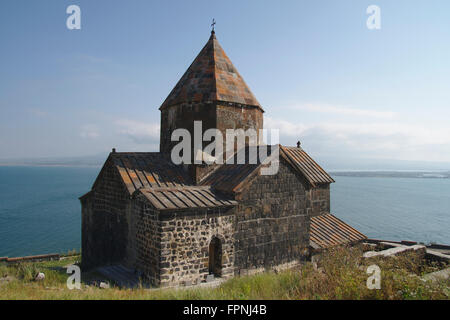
x=322, y=76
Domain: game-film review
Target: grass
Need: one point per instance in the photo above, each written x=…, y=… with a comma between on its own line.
x=341, y=274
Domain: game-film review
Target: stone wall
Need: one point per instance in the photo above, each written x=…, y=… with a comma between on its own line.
x=182, y=116
x=319, y=200
x=235, y=117
x=173, y=246
x=213, y=116
x=147, y=240
x=185, y=244
x=272, y=222
x=104, y=221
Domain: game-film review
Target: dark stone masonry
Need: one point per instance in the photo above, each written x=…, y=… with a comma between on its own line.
x=272, y=222
x=179, y=225
x=173, y=247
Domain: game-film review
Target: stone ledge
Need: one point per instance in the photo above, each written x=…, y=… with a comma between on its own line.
x=438, y=275
x=394, y=251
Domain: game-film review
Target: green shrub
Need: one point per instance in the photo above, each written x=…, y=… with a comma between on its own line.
x=27, y=271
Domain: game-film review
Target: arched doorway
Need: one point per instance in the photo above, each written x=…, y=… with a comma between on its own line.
x=215, y=257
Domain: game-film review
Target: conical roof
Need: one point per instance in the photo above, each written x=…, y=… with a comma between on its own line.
x=211, y=77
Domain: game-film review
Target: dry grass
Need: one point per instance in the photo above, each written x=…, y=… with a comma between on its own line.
x=340, y=275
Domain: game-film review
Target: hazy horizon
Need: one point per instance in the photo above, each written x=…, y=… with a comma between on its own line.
x=332, y=165
x=321, y=75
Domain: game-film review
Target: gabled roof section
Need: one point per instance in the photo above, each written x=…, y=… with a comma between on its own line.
x=300, y=160
x=231, y=178
x=185, y=198
x=211, y=77
x=328, y=231
x=147, y=170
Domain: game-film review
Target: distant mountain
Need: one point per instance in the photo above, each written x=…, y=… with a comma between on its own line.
x=94, y=160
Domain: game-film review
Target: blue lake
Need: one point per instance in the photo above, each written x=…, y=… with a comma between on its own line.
x=394, y=208
x=40, y=210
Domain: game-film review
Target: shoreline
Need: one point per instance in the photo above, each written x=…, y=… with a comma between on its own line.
x=51, y=165
x=7, y=259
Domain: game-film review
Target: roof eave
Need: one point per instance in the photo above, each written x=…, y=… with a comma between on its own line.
x=86, y=195
x=236, y=104
x=288, y=159
x=191, y=209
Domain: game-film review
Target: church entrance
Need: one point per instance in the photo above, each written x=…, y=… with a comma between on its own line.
x=215, y=257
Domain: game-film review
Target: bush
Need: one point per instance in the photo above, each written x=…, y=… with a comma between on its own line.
x=27, y=271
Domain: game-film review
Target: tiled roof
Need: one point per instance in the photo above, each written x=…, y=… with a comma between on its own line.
x=152, y=170
x=303, y=162
x=211, y=77
x=328, y=231
x=230, y=178
x=185, y=198
x=148, y=170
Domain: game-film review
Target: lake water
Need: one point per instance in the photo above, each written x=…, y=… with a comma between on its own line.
x=40, y=210
x=394, y=208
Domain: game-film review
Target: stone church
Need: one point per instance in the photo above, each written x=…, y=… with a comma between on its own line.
x=181, y=224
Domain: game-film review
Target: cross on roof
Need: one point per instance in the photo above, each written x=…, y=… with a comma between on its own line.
x=213, y=24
